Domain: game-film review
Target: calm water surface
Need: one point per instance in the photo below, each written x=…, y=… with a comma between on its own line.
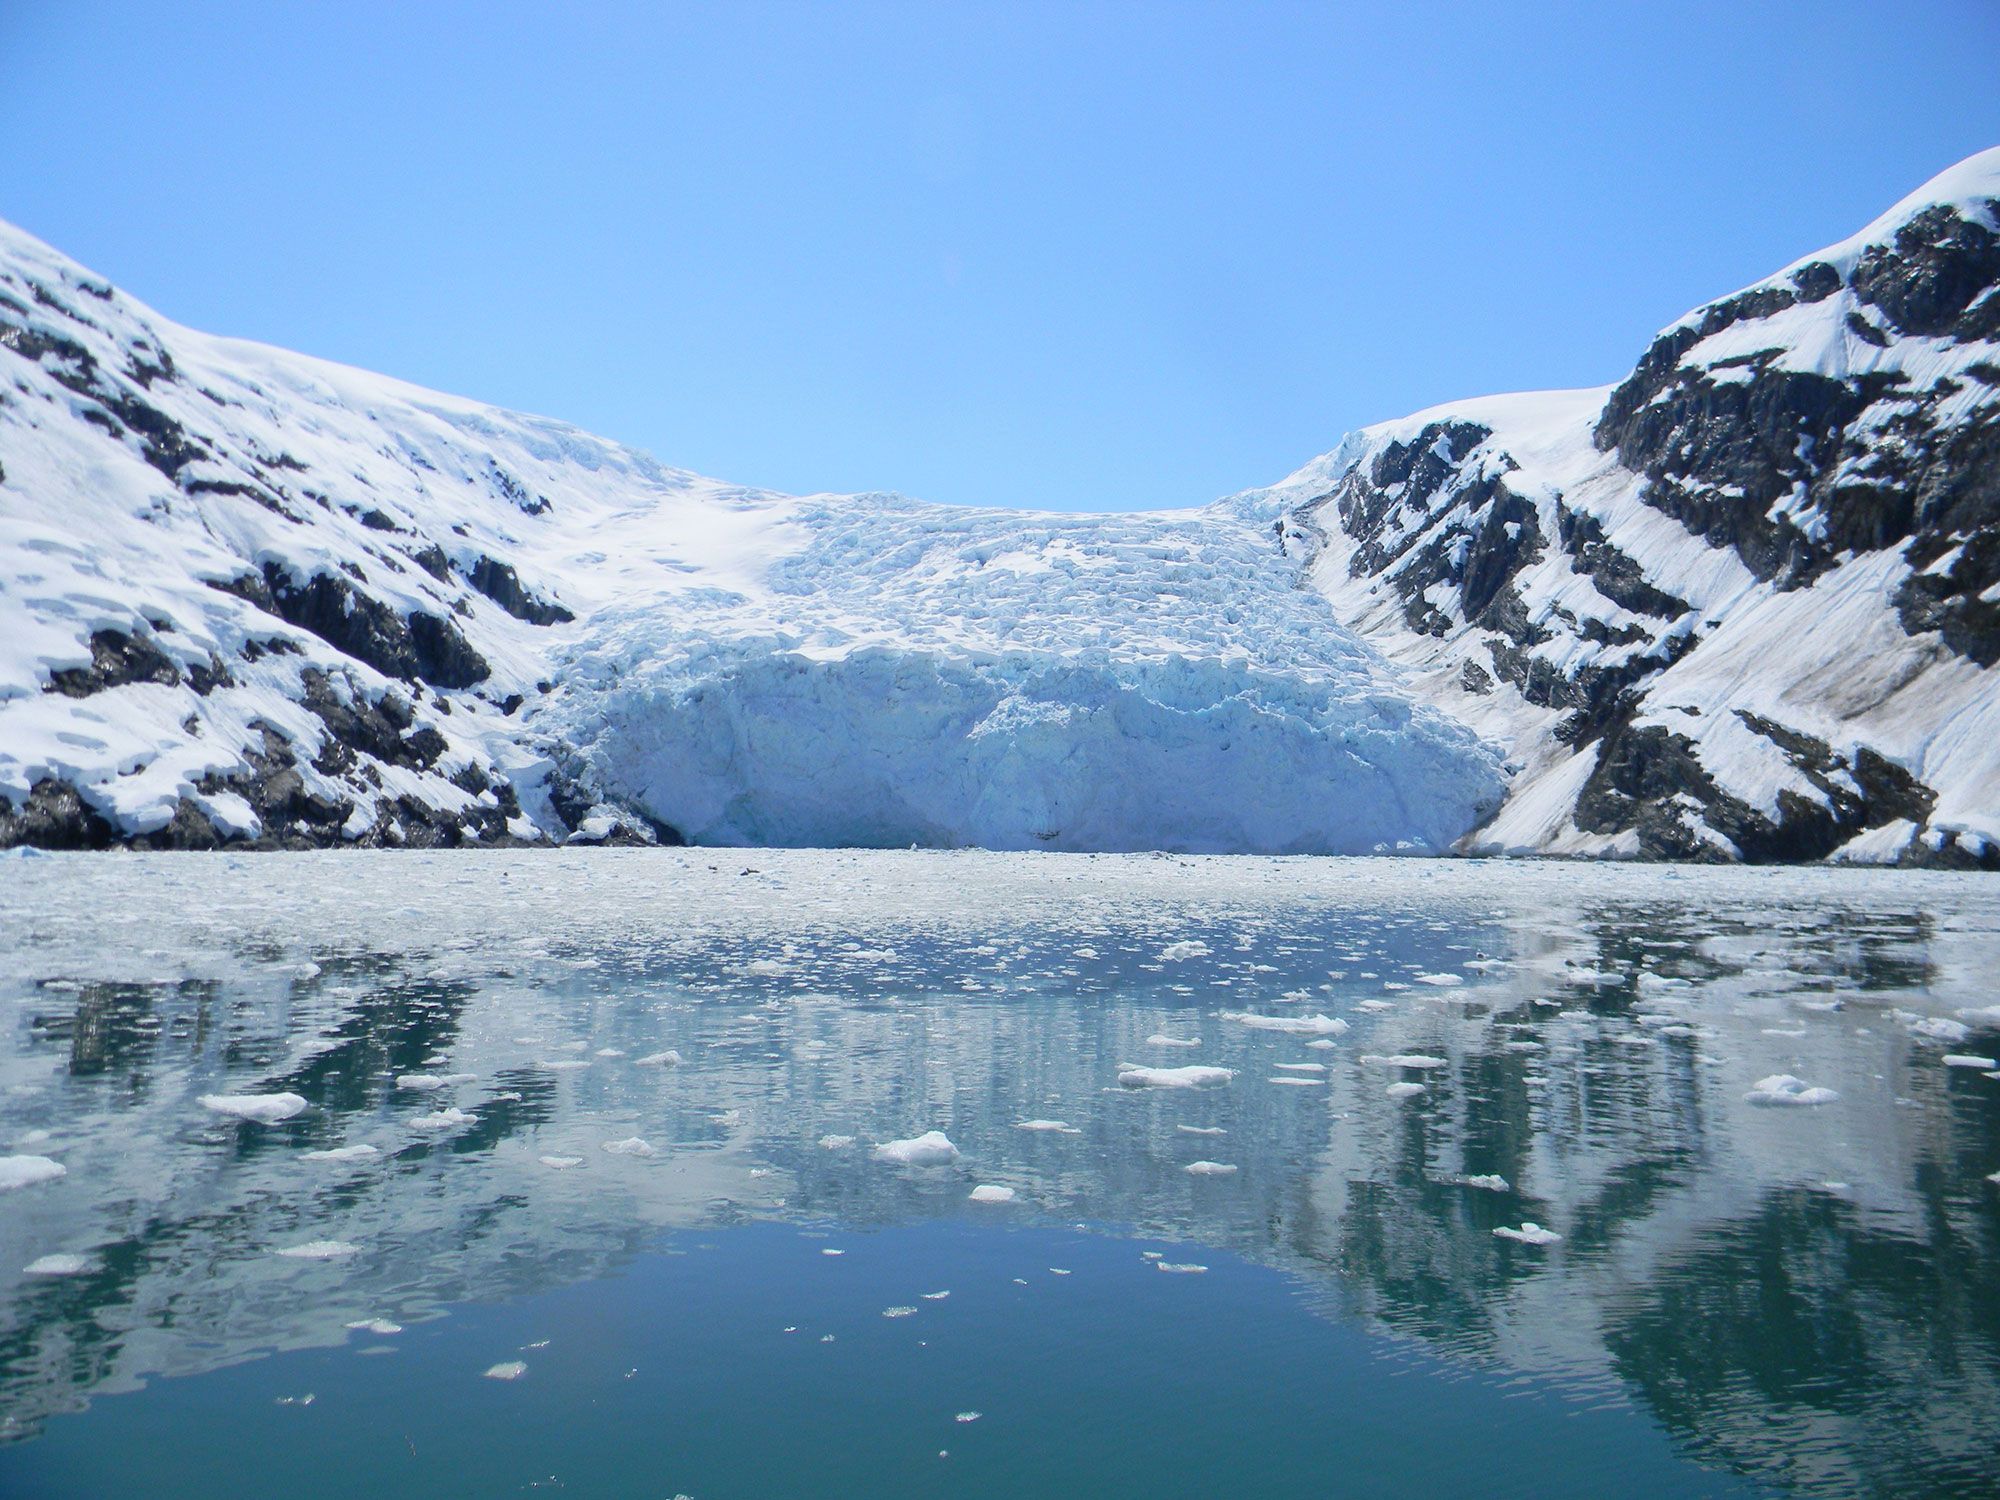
x=743, y=1299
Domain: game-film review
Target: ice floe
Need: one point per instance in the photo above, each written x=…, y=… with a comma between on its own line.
x=932, y=1148
x=1047, y=1127
x=1970, y=1060
x=1530, y=1233
x=989, y=1192
x=1194, y=1076
x=1161, y=1039
x=1405, y=1090
x=319, y=1250
x=507, y=1369
x=632, y=1145
x=443, y=1119
x=63, y=1263
x=264, y=1109
x=1783, y=1088
x=1295, y=1025
x=341, y=1154
x=26, y=1171
x=1209, y=1168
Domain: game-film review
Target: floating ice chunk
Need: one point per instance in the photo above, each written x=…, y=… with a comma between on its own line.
x=34, y=1138
x=1322, y=1044
x=1405, y=1090
x=1161, y=1039
x=632, y=1145
x=421, y=1083
x=1405, y=1060
x=1968, y=1060
x=1186, y=948
x=1491, y=1182
x=934, y=1296
x=264, y=1109
x=1201, y=1130
x=341, y=1153
x=443, y=1119
x=319, y=1250
x=1376, y=1007
x=26, y=1171
x=1301, y=1067
x=63, y=1263
x=1295, y=1025
x=931, y=1149
x=1530, y=1233
x=1192, y=1077
x=380, y=1327
x=1993, y=1177
x=989, y=1192
x=610, y=1052
x=1297, y=1083
x=1209, y=1168
x=666, y=1059
x=967, y=1416
x=508, y=1369
x=899, y=1312
x=560, y=1162
x=1442, y=981
x=836, y=1142
x=831, y=1251
x=564, y=1064
x=1783, y=1088
x=1179, y=1267
x=1047, y=1127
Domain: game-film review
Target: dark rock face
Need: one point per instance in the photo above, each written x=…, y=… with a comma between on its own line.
x=421, y=648
x=1756, y=452
x=54, y=816
x=499, y=582
x=115, y=659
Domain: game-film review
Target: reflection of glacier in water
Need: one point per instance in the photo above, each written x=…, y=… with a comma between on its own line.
x=1807, y=1293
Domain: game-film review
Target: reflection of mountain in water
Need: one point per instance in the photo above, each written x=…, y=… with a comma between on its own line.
x=1829, y=1276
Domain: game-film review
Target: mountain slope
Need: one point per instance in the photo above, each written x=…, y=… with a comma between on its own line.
x=248, y=596
x=1744, y=604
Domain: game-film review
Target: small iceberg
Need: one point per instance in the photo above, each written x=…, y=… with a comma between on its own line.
x=1294, y=1025
x=666, y=1059
x=511, y=1369
x=263, y=1109
x=443, y=1119
x=1969, y=1060
x=1192, y=1077
x=988, y=1192
x=319, y=1250
x=60, y=1264
x=26, y=1171
x=1209, y=1168
x=632, y=1145
x=931, y=1149
x=1047, y=1127
x=341, y=1153
x=1783, y=1088
x=1530, y=1233
x=1161, y=1039
x=1405, y=1090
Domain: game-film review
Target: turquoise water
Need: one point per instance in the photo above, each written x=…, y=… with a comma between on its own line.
x=1743, y=1298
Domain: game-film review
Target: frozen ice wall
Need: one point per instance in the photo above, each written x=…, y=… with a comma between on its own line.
x=913, y=674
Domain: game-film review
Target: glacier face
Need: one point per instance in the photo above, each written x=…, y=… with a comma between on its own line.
x=254, y=597
x=911, y=674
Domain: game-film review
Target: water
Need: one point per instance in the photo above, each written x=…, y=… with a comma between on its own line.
x=1745, y=1299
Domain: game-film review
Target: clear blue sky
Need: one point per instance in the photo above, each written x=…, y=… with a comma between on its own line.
x=1078, y=256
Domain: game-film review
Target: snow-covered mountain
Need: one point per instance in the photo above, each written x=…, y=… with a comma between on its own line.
x=1745, y=604
x=247, y=595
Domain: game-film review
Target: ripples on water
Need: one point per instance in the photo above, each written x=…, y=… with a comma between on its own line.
x=1805, y=1297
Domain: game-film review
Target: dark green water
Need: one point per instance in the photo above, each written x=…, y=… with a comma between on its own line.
x=1743, y=1298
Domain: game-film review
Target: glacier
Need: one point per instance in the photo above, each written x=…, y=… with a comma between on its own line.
x=253, y=597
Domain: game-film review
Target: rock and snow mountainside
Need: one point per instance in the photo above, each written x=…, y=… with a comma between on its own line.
x=247, y=596
x=1744, y=604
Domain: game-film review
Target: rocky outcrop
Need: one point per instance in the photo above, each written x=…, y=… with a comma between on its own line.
x=1742, y=604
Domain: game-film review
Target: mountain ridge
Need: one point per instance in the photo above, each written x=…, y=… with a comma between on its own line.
x=1733, y=606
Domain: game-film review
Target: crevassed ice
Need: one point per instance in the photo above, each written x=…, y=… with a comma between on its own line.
x=920, y=674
